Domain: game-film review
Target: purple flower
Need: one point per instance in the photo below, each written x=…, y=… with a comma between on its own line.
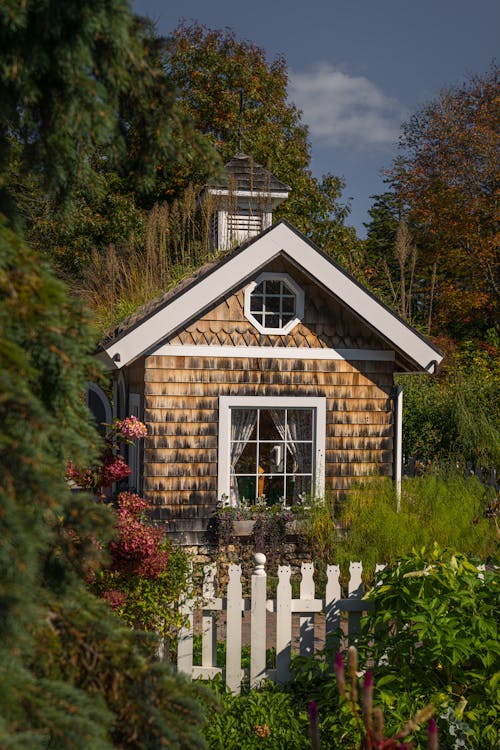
x=313, y=713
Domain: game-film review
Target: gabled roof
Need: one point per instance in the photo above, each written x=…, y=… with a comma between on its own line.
x=243, y=175
x=154, y=322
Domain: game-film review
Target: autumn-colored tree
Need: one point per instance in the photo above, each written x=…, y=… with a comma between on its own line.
x=446, y=179
x=239, y=100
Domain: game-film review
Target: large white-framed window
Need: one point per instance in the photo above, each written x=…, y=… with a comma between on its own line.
x=271, y=447
x=274, y=303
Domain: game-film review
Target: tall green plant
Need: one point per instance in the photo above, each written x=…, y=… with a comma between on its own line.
x=453, y=419
x=449, y=510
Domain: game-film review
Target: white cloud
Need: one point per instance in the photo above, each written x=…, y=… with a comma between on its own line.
x=341, y=109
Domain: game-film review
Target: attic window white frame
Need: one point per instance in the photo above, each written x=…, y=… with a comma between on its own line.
x=295, y=289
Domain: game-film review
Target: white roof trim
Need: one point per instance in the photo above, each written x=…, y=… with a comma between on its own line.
x=249, y=193
x=272, y=352
x=239, y=267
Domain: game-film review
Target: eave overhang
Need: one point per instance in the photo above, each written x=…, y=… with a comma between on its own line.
x=413, y=351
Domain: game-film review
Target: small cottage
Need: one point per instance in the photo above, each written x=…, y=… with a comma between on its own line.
x=269, y=373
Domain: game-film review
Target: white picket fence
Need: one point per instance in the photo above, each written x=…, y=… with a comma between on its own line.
x=234, y=605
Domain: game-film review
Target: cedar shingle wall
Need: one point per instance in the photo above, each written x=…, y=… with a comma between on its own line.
x=181, y=411
x=326, y=323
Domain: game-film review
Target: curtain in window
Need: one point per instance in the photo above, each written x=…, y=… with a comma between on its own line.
x=296, y=427
x=242, y=425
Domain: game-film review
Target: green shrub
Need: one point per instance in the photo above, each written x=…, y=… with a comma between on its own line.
x=267, y=718
x=433, y=638
x=452, y=419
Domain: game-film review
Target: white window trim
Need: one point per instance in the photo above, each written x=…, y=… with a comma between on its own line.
x=299, y=303
x=226, y=403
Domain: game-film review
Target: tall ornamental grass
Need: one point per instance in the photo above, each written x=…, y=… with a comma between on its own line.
x=450, y=511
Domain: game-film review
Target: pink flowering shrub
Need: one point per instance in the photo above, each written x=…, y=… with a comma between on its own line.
x=138, y=549
x=146, y=574
x=130, y=428
x=112, y=467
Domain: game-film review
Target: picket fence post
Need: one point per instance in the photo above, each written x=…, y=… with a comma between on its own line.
x=284, y=607
x=258, y=621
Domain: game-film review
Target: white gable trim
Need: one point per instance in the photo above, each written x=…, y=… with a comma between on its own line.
x=280, y=239
x=272, y=352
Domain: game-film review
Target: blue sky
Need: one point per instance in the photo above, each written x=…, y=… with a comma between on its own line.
x=358, y=68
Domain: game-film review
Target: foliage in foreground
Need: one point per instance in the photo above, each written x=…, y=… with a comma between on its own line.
x=267, y=718
x=72, y=676
x=433, y=636
x=431, y=639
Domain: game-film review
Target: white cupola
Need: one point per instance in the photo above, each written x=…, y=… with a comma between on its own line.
x=243, y=201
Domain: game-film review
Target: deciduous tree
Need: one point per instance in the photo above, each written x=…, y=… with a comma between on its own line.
x=89, y=124
x=446, y=178
x=239, y=100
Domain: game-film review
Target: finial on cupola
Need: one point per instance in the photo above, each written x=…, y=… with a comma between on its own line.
x=244, y=199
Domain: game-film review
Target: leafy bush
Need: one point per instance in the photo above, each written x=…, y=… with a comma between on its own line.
x=433, y=637
x=267, y=718
x=453, y=419
x=146, y=575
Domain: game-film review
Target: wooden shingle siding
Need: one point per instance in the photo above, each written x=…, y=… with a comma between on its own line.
x=181, y=410
x=327, y=323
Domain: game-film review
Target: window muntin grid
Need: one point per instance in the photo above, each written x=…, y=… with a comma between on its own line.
x=273, y=304
x=273, y=463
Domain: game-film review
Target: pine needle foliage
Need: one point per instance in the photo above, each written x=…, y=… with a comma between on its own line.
x=71, y=675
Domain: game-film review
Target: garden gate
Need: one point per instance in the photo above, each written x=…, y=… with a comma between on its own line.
x=234, y=604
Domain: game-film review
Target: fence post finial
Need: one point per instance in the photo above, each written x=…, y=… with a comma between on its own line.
x=259, y=561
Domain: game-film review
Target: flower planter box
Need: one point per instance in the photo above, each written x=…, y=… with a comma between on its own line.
x=243, y=528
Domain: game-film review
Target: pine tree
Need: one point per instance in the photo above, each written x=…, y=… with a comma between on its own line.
x=71, y=675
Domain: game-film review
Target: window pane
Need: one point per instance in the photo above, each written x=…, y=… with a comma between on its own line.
x=241, y=421
x=256, y=303
x=273, y=304
x=300, y=423
x=271, y=458
x=288, y=304
x=247, y=462
x=299, y=459
x=273, y=287
x=274, y=489
x=298, y=489
x=259, y=289
x=267, y=426
x=246, y=488
x=272, y=321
